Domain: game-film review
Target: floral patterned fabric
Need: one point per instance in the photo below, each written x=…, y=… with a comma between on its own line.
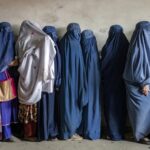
x=27, y=113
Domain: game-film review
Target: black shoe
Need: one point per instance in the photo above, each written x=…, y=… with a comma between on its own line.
x=30, y=139
x=8, y=140
x=148, y=136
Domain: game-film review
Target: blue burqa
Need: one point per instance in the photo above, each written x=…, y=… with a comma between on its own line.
x=113, y=88
x=47, y=123
x=6, y=45
x=136, y=75
x=91, y=121
x=8, y=109
x=73, y=85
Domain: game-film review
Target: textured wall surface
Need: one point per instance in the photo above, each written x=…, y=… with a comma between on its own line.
x=97, y=15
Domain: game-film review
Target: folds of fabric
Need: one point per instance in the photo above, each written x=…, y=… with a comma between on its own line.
x=9, y=113
x=73, y=82
x=91, y=121
x=51, y=31
x=8, y=109
x=136, y=75
x=6, y=46
x=47, y=125
x=0, y=126
x=114, y=95
x=36, y=53
x=28, y=118
x=30, y=129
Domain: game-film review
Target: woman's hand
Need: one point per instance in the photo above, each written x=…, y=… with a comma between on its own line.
x=145, y=90
x=14, y=63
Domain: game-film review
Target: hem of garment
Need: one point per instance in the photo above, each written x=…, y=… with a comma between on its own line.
x=9, y=124
x=92, y=136
x=117, y=138
x=8, y=100
x=66, y=136
x=47, y=138
x=138, y=137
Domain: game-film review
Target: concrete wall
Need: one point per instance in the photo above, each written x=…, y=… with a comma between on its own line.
x=97, y=15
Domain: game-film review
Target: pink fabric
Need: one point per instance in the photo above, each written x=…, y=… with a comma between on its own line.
x=12, y=83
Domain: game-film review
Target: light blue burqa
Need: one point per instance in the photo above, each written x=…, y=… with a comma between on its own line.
x=136, y=75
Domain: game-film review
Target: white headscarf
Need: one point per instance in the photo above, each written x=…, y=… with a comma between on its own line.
x=36, y=52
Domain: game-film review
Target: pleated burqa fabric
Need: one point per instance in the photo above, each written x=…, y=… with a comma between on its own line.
x=73, y=85
x=113, y=88
x=47, y=123
x=8, y=109
x=136, y=75
x=91, y=121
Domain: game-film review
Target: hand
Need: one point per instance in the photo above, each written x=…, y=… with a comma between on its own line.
x=14, y=63
x=145, y=90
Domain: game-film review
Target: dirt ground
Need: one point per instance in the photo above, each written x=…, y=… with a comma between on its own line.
x=73, y=145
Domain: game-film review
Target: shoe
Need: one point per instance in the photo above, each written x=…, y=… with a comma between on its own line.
x=8, y=140
x=145, y=141
x=30, y=139
x=148, y=136
x=53, y=139
x=76, y=137
x=108, y=138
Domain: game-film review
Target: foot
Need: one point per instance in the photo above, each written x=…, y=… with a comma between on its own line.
x=145, y=141
x=8, y=140
x=108, y=138
x=148, y=136
x=30, y=139
x=54, y=139
x=76, y=137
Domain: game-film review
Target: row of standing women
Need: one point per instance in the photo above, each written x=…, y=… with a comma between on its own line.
x=63, y=85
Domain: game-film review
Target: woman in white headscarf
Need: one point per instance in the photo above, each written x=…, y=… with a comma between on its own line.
x=36, y=54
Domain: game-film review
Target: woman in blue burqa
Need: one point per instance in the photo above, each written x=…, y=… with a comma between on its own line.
x=137, y=79
x=46, y=107
x=73, y=85
x=113, y=88
x=8, y=107
x=91, y=121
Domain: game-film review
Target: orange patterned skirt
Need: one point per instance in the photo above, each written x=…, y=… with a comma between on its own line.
x=28, y=117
